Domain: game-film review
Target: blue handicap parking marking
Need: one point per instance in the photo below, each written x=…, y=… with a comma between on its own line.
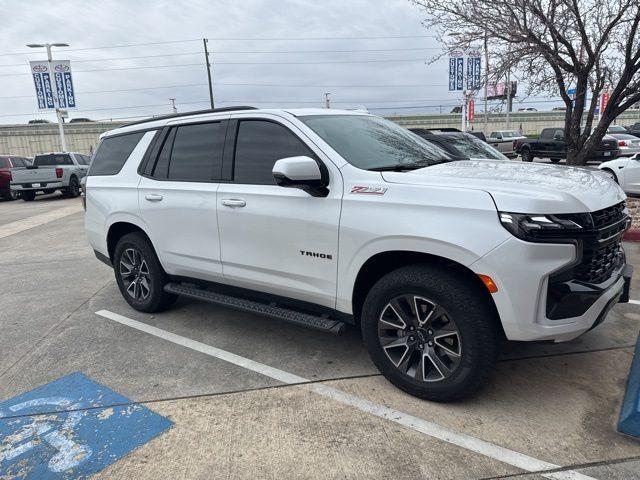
x=629, y=422
x=72, y=427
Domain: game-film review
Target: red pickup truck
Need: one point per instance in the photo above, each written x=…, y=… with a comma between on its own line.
x=7, y=164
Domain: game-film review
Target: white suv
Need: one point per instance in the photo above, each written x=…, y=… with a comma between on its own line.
x=325, y=218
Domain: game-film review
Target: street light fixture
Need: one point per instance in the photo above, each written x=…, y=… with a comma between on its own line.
x=48, y=46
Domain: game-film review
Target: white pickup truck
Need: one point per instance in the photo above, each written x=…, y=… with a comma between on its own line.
x=51, y=172
x=325, y=218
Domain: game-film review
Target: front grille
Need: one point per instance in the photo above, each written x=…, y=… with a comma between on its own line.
x=601, y=253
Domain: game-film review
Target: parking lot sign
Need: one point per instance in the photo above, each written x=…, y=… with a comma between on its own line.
x=456, y=72
x=473, y=72
x=54, y=84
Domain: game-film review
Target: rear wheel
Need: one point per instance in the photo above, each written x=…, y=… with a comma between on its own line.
x=431, y=333
x=139, y=275
x=10, y=195
x=73, y=190
x=526, y=154
x=28, y=196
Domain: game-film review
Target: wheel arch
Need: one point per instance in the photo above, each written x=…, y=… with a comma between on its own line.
x=382, y=263
x=119, y=229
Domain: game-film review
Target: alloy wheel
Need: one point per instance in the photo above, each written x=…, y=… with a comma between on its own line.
x=420, y=338
x=134, y=272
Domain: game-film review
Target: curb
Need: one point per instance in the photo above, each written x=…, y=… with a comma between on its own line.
x=632, y=235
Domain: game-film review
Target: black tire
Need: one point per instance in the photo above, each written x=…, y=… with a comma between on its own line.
x=48, y=192
x=460, y=301
x=526, y=155
x=612, y=174
x=555, y=160
x=10, y=195
x=73, y=190
x=28, y=196
x=152, y=278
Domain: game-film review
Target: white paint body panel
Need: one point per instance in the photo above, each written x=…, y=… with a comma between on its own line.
x=627, y=171
x=448, y=210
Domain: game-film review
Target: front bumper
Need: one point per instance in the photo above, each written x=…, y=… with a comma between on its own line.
x=522, y=296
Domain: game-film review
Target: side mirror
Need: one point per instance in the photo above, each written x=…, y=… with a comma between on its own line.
x=300, y=172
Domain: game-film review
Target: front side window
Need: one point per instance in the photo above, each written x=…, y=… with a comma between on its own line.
x=113, y=153
x=373, y=143
x=259, y=145
x=196, y=155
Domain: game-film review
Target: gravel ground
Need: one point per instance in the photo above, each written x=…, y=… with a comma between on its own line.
x=634, y=210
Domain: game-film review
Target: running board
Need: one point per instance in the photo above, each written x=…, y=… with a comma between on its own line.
x=324, y=324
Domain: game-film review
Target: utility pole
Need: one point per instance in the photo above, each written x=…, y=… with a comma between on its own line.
x=508, y=90
x=327, y=100
x=486, y=82
x=63, y=142
x=173, y=105
x=206, y=59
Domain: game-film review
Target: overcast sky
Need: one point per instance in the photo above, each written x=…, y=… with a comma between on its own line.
x=231, y=26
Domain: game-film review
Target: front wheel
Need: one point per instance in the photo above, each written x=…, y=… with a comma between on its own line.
x=430, y=332
x=611, y=174
x=555, y=160
x=139, y=275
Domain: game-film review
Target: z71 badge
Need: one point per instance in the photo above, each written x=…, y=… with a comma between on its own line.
x=368, y=190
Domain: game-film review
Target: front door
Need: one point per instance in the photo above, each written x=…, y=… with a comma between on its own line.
x=275, y=239
x=178, y=200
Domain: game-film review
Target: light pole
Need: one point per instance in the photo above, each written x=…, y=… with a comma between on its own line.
x=48, y=46
x=486, y=81
x=173, y=105
x=327, y=100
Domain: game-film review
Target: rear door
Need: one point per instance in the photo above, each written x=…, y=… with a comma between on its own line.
x=275, y=239
x=177, y=198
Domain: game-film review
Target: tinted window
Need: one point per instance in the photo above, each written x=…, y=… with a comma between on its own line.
x=17, y=162
x=4, y=163
x=367, y=142
x=196, y=155
x=469, y=146
x=259, y=145
x=161, y=167
x=113, y=152
x=52, y=159
x=547, y=133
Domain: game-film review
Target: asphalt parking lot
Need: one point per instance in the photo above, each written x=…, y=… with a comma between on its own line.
x=253, y=397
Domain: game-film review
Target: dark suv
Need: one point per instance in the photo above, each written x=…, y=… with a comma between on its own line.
x=8, y=163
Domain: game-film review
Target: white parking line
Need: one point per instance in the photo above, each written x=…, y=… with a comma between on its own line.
x=502, y=454
x=36, y=220
x=635, y=302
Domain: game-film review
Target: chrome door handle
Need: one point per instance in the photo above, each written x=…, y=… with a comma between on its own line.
x=233, y=202
x=153, y=197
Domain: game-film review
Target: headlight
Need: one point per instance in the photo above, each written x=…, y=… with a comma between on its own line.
x=542, y=228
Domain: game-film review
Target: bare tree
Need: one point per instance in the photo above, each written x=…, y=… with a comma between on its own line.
x=554, y=45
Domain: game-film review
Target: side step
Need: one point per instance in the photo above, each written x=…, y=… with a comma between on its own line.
x=323, y=324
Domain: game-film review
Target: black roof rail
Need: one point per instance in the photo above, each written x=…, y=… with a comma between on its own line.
x=186, y=114
x=443, y=129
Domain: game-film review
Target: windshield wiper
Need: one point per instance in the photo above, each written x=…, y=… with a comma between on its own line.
x=394, y=168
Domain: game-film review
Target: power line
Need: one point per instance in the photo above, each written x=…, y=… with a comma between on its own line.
x=118, y=90
x=221, y=39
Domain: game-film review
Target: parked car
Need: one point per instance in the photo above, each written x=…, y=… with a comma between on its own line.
x=628, y=144
x=80, y=120
x=551, y=144
x=8, y=165
x=634, y=129
x=528, y=109
x=38, y=121
x=505, y=141
x=458, y=144
x=625, y=171
x=559, y=109
x=617, y=129
x=246, y=208
x=51, y=172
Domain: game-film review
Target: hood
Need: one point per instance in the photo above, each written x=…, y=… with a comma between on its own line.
x=522, y=187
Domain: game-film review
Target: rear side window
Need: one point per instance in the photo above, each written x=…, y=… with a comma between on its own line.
x=4, y=163
x=196, y=155
x=259, y=145
x=17, y=162
x=52, y=159
x=113, y=153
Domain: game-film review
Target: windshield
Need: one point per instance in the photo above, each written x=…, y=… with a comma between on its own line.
x=373, y=143
x=471, y=147
x=510, y=134
x=616, y=129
